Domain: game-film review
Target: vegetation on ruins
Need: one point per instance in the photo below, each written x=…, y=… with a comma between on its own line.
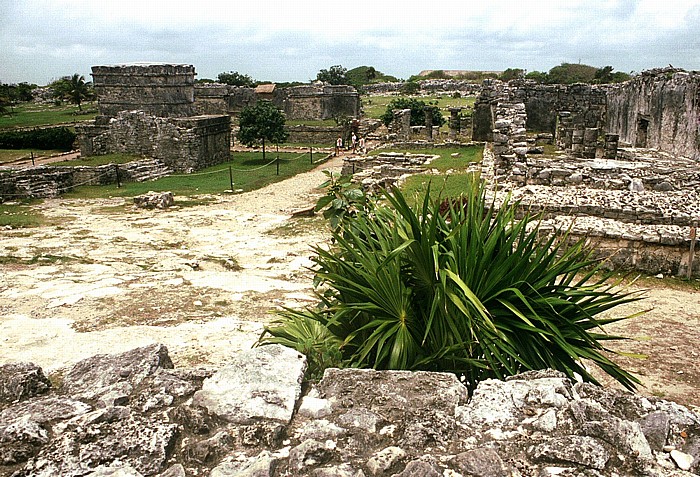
x=569, y=73
x=335, y=75
x=418, y=109
x=234, y=78
x=457, y=285
x=59, y=138
x=11, y=94
x=260, y=123
x=74, y=89
x=362, y=75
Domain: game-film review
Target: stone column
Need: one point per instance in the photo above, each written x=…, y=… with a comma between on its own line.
x=590, y=142
x=429, y=124
x=610, y=148
x=402, y=123
x=577, y=141
x=455, y=124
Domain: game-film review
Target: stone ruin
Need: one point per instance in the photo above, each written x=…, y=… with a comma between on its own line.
x=625, y=175
x=149, y=110
x=134, y=414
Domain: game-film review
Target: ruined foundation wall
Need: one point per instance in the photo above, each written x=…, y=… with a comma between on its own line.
x=658, y=109
x=319, y=102
x=183, y=144
x=159, y=89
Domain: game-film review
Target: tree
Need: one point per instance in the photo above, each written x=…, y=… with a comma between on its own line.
x=235, y=78
x=74, y=89
x=511, y=74
x=569, y=73
x=418, y=109
x=605, y=75
x=539, y=76
x=260, y=123
x=335, y=75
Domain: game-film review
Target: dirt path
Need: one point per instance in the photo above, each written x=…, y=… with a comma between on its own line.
x=106, y=278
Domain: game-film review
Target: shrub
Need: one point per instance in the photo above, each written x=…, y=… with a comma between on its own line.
x=60, y=138
x=471, y=290
x=417, y=108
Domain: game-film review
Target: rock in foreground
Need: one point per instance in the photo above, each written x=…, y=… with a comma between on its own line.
x=133, y=415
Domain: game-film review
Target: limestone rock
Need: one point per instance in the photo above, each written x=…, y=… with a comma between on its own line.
x=263, y=383
x=309, y=454
x=384, y=460
x=482, y=462
x=586, y=451
x=19, y=381
x=154, y=200
x=263, y=465
x=103, y=374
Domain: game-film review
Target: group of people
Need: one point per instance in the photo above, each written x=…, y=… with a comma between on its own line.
x=355, y=144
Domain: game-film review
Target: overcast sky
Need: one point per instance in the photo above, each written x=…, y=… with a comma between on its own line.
x=291, y=40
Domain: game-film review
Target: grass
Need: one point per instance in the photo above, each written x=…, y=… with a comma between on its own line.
x=116, y=158
x=248, y=169
x=446, y=184
x=30, y=114
x=18, y=215
x=311, y=122
x=374, y=106
x=12, y=155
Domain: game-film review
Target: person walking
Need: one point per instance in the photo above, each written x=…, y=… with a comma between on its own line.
x=354, y=143
x=338, y=145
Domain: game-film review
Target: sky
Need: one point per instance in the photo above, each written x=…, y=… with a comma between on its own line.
x=292, y=40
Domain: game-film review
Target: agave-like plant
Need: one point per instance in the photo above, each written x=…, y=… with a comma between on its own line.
x=470, y=289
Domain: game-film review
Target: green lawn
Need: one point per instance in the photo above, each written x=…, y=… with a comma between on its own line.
x=19, y=215
x=116, y=158
x=248, y=169
x=11, y=155
x=452, y=184
x=30, y=114
x=374, y=106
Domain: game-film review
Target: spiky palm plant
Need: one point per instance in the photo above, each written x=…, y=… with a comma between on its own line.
x=472, y=290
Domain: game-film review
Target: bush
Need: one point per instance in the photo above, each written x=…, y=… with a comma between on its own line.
x=417, y=108
x=469, y=290
x=60, y=138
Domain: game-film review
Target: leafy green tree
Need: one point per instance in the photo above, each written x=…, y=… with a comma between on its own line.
x=605, y=75
x=410, y=87
x=511, y=74
x=539, y=76
x=455, y=286
x=234, y=78
x=260, y=123
x=569, y=73
x=335, y=75
x=418, y=109
x=74, y=89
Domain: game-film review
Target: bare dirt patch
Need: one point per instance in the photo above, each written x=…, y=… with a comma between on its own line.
x=104, y=278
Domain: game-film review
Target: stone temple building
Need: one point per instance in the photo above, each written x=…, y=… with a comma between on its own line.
x=149, y=109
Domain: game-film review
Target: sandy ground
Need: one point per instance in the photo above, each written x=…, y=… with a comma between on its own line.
x=106, y=277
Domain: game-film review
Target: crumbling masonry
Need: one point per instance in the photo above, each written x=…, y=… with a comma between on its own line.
x=148, y=109
x=627, y=179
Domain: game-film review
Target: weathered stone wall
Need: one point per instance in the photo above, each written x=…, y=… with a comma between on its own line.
x=134, y=415
x=314, y=134
x=660, y=109
x=183, y=144
x=585, y=104
x=429, y=86
x=165, y=90
x=217, y=98
x=52, y=181
x=318, y=102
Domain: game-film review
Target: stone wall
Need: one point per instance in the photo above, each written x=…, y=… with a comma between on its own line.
x=134, y=414
x=658, y=109
x=466, y=88
x=52, y=181
x=585, y=104
x=183, y=144
x=314, y=134
x=165, y=90
x=318, y=102
x=217, y=98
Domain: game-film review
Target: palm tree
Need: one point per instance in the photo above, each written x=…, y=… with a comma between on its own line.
x=74, y=88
